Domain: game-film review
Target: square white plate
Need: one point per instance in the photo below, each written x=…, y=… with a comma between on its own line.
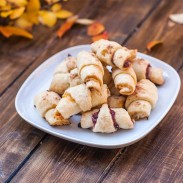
x=40, y=80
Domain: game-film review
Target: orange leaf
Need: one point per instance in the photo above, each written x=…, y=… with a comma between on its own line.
x=66, y=26
x=56, y=7
x=104, y=35
x=62, y=14
x=17, y=12
x=47, y=18
x=95, y=29
x=152, y=44
x=8, y=31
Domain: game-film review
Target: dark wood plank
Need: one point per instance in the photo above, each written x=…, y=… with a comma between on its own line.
x=7, y=100
x=62, y=161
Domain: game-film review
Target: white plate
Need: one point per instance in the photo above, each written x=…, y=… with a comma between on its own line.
x=40, y=80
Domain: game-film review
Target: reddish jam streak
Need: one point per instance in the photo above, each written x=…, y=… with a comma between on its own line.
x=95, y=117
x=114, y=119
x=126, y=64
x=147, y=71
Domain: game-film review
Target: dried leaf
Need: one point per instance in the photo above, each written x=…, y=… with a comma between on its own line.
x=3, y=3
x=33, y=6
x=66, y=26
x=52, y=1
x=95, y=29
x=63, y=14
x=23, y=22
x=152, y=44
x=56, y=7
x=5, y=14
x=104, y=35
x=17, y=12
x=8, y=31
x=177, y=18
x=47, y=18
x=84, y=21
x=18, y=2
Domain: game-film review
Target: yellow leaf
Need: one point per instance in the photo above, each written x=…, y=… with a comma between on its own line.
x=47, y=18
x=3, y=3
x=17, y=12
x=33, y=5
x=33, y=17
x=8, y=31
x=56, y=7
x=18, y=2
x=5, y=8
x=5, y=14
x=51, y=1
x=23, y=22
x=63, y=14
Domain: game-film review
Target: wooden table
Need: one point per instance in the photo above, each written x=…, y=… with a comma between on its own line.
x=30, y=155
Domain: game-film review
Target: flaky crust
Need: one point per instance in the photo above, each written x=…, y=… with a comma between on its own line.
x=124, y=80
x=145, y=90
x=140, y=103
x=80, y=99
x=66, y=65
x=112, y=53
x=45, y=101
x=144, y=70
x=107, y=120
x=90, y=70
x=55, y=119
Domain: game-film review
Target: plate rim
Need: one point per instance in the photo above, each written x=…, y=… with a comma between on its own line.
x=106, y=146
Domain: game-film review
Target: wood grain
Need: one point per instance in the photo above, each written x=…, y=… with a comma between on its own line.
x=7, y=99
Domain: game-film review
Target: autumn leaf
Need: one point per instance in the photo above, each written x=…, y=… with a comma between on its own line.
x=63, y=14
x=52, y=1
x=56, y=7
x=17, y=12
x=84, y=21
x=47, y=18
x=5, y=14
x=66, y=26
x=177, y=18
x=18, y=2
x=152, y=44
x=104, y=35
x=95, y=29
x=23, y=22
x=33, y=6
x=8, y=31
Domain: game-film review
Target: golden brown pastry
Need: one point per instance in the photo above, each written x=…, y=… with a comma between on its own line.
x=116, y=101
x=80, y=99
x=66, y=65
x=90, y=69
x=125, y=80
x=144, y=70
x=113, y=90
x=143, y=100
x=45, y=103
x=106, y=120
x=62, y=81
x=112, y=53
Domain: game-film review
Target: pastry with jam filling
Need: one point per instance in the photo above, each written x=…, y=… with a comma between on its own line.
x=106, y=119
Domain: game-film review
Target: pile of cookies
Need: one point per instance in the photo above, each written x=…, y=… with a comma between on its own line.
x=108, y=98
